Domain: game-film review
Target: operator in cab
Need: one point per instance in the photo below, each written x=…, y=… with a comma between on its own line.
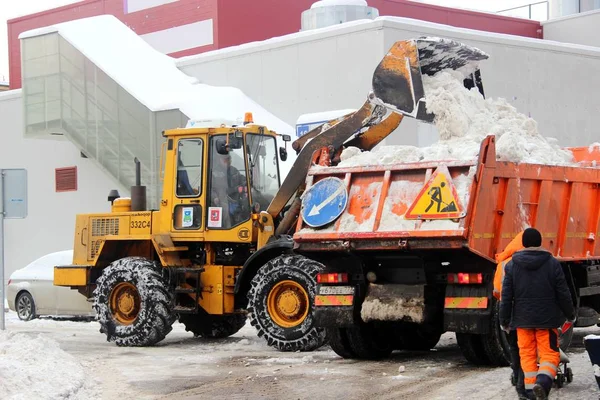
x=229, y=191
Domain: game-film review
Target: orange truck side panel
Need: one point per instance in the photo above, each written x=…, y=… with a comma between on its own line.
x=503, y=199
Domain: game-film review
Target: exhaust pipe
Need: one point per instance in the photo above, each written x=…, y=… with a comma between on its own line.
x=138, y=192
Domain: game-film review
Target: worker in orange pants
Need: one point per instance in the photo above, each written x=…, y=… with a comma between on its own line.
x=535, y=300
x=542, y=344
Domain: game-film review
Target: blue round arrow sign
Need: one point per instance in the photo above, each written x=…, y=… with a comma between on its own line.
x=324, y=202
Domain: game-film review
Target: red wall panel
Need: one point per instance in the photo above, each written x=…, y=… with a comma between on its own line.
x=244, y=21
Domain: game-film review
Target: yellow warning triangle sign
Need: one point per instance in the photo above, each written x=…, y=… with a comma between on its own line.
x=437, y=200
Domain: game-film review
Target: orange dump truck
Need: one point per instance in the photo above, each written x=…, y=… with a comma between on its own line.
x=409, y=249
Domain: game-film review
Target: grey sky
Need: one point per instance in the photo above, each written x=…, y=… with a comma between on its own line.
x=16, y=8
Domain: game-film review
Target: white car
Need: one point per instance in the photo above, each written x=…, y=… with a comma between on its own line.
x=31, y=292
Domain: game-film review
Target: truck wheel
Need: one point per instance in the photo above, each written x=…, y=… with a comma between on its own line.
x=280, y=302
x=133, y=303
x=419, y=338
x=338, y=341
x=213, y=326
x=495, y=343
x=472, y=348
x=369, y=343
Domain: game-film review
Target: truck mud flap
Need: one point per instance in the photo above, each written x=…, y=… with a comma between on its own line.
x=467, y=309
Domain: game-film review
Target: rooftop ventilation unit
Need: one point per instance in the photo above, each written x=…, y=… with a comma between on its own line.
x=333, y=12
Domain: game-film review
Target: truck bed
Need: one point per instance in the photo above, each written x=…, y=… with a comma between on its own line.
x=495, y=201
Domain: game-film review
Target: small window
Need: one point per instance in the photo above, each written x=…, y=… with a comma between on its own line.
x=187, y=216
x=66, y=179
x=189, y=168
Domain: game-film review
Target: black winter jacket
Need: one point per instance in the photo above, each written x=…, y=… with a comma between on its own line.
x=535, y=292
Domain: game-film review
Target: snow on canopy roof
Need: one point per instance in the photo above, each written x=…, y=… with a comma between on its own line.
x=152, y=77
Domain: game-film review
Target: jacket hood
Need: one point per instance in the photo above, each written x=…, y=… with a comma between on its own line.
x=531, y=257
x=515, y=245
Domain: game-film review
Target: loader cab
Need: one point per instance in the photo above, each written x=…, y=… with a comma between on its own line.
x=221, y=177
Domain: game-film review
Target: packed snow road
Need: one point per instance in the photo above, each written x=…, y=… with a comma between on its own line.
x=242, y=367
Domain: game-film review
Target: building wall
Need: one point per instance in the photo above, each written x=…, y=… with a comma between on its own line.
x=457, y=17
x=578, y=29
x=310, y=72
x=50, y=224
x=257, y=19
x=299, y=74
x=185, y=27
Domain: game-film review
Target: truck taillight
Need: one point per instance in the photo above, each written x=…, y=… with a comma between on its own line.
x=332, y=278
x=463, y=278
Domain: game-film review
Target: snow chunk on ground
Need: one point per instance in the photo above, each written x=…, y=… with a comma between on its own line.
x=463, y=119
x=35, y=367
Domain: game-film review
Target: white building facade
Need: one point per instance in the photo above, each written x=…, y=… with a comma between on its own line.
x=308, y=72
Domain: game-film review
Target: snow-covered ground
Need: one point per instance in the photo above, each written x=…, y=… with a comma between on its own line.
x=62, y=359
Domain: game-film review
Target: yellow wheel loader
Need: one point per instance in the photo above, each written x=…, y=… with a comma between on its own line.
x=219, y=245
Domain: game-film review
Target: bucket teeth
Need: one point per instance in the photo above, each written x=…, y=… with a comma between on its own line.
x=436, y=54
x=397, y=80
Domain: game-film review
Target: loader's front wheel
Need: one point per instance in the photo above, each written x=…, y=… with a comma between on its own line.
x=213, y=326
x=133, y=302
x=280, y=302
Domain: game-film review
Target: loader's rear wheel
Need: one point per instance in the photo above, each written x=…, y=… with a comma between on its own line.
x=133, y=303
x=280, y=302
x=125, y=303
x=213, y=326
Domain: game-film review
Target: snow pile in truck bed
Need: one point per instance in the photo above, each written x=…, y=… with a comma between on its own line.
x=35, y=367
x=463, y=119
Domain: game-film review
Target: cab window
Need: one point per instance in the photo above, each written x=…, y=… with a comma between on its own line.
x=189, y=167
x=229, y=203
x=264, y=171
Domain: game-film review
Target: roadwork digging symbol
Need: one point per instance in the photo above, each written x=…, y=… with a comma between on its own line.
x=437, y=200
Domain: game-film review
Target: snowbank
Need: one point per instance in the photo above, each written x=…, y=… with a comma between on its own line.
x=34, y=367
x=463, y=119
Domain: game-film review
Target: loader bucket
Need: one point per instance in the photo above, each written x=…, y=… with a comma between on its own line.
x=397, y=81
